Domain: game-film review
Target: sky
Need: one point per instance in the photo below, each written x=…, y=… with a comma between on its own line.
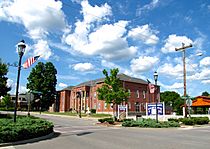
x=83, y=37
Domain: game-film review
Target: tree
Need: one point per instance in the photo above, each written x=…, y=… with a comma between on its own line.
x=43, y=79
x=112, y=90
x=173, y=99
x=3, y=79
x=205, y=93
x=6, y=101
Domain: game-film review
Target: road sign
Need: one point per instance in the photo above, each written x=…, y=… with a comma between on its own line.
x=189, y=102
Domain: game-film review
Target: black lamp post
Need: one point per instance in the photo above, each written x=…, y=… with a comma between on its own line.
x=21, y=49
x=79, y=96
x=155, y=78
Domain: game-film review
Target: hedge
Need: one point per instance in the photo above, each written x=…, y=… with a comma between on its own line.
x=109, y=120
x=192, y=120
x=150, y=123
x=24, y=128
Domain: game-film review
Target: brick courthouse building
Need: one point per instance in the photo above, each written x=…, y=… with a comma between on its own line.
x=138, y=88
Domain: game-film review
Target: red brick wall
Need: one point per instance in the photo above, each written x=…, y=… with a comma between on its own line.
x=70, y=100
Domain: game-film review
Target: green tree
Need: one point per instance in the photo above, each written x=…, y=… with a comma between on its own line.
x=112, y=90
x=205, y=93
x=43, y=79
x=3, y=79
x=6, y=101
x=173, y=99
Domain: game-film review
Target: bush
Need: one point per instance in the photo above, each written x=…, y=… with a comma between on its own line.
x=173, y=119
x=109, y=120
x=149, y=123
x=24, y=128
x=201, y=120
x=195, y=120
x=92, y=111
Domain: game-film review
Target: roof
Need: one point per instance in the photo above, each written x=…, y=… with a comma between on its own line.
x=201, y=101
x=121, y=76
x=127, y=78
x=69, y=88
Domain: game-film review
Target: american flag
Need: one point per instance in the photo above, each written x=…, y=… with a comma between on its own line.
x=151, y=88
x=30, y=61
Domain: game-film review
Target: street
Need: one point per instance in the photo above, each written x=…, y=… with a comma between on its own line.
x=78, y=133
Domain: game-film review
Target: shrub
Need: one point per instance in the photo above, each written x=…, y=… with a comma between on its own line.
x=195, y=120
x=109, y=120
x=149, y=123
x=24, y=128
x=92, y=110
x=173, y=119
x=188, y=121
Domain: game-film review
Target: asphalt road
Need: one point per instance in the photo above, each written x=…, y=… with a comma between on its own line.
x=75, y=133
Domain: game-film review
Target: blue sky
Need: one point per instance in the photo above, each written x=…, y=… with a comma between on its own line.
x=81, y=38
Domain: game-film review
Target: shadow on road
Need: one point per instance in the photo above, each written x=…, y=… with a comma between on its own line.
x=48, y=137
x=83, y=133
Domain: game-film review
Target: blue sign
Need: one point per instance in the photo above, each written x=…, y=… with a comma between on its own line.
x=152, y=108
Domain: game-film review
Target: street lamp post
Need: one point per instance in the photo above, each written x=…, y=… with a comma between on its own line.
x=21, y=49
x=156, y=99
x=79, y=96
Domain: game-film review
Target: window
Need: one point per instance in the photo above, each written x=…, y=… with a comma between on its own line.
x=129, y=92
x=137, y=106
x=94, y=95
x=99, y=105
x=144, y=94
x=137, y=93
x=111, y=105
x=129, y=105
x=105, y=105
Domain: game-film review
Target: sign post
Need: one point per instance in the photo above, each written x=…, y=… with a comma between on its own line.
x=189, y=104
x=122, y=108
x=151, y=109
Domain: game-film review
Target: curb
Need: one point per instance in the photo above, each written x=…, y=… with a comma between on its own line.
x=28, y=141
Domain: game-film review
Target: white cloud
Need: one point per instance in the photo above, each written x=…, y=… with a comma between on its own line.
x=89, y=11
x=35, y=15
x=22, y=89
x=203, y=75
x=10, y=83
x=110, y=64
x=83, y=67
x=206, y=81
x=176, y=86
x=173, y=41
x=40, y=18
x=205, y=62
x=41, y=48
x=67, y=77
x=147, y=7
x=108, y=41
x=62, y=85
x=145, y=34
x=170, y=70
x=143, y=63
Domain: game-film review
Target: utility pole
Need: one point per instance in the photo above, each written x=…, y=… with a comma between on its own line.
x=183, y=48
